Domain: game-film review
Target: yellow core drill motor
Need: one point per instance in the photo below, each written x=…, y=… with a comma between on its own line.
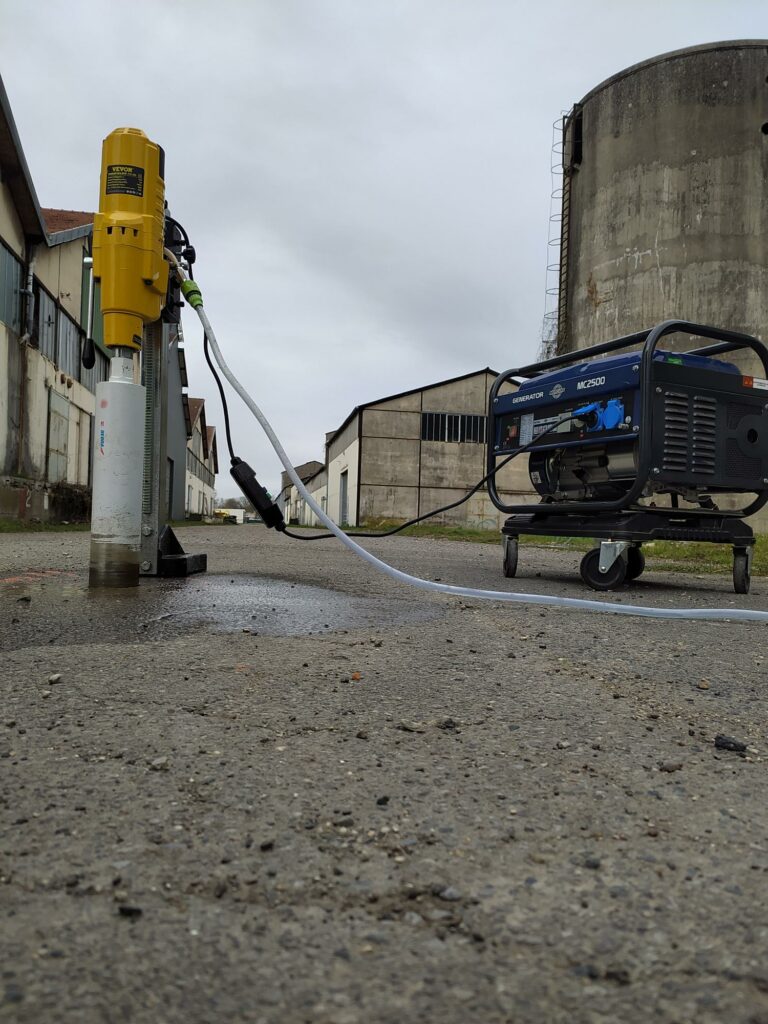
x=128, y=260
x=128, y=236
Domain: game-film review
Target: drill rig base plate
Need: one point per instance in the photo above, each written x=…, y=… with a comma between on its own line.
x=173, y=560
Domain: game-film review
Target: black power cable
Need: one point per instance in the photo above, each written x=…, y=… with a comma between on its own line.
x=191, y=258
x=216, y=377
x=445, y=508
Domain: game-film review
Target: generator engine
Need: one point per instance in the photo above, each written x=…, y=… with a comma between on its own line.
x=613, y=430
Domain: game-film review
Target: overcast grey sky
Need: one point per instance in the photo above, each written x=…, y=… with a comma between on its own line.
x=366, y=182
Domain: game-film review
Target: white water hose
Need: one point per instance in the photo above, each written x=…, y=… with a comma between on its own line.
x=193, y=296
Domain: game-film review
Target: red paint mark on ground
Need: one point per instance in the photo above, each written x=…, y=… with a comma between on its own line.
x=35, y=575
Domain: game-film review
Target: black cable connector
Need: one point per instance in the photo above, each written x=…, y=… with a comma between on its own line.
x=245, y=478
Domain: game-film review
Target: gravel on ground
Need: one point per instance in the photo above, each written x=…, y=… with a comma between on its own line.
x=292, y=790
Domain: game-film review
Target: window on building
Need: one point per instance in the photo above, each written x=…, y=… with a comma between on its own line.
x=458, y=428
x=46, y=325
x=189, y=498
x=67, y=345
x=97, y=373
x=10, y=289
x=101, y=367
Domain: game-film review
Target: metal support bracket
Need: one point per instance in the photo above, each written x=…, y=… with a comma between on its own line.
x=610, y=550
x=161, y=552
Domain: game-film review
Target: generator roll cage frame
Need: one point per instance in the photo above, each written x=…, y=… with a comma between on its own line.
x=727, y=341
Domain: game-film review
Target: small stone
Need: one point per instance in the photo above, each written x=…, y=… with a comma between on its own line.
x=593, y=863
x=449, y=894
x=670, y=766
x=412, y=918
x=160, y=764
x=447, y=725
x=619, y=975
x=702, y=685
x=562, y=744
x=729, y=743
x=268, y=844
x=382, y=801
x=126, y=910
x=55, y=677
x=361, y=735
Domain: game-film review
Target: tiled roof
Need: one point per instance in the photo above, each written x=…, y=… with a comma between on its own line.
x=212, y=448
x=195, y=405
x=63, y=220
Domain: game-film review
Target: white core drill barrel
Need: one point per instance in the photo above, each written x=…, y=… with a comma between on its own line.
x=118, y=454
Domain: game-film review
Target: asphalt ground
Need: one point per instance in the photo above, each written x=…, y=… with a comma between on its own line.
x=293, y=790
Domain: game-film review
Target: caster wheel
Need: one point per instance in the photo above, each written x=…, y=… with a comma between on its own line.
x=590, y=572
x=510, y=556
x=741, y=576
x=635, y=563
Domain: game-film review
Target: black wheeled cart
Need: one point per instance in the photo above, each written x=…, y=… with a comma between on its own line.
x=635, y=447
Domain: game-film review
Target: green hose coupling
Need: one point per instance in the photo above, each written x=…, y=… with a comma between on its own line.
x=192, y=293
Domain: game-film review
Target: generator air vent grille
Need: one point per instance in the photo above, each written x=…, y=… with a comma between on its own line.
x=690, y=433
x=675, y=454
x=703, y=435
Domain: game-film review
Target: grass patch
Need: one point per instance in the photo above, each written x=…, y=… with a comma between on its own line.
x=675, y=556
x=665, y=555
x=8, y=525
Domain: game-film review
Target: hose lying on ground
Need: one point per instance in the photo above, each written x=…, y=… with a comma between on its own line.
x=194, y=298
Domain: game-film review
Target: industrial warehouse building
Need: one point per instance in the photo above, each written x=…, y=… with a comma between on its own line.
x=401, y=456
x=47, y=397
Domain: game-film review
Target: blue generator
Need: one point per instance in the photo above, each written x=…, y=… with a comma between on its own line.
x=629, y=442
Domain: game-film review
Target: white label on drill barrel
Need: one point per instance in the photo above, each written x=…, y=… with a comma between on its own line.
x=526, y=428
x=760, y=382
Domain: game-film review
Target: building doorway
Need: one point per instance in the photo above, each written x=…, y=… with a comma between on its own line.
x=344, y=498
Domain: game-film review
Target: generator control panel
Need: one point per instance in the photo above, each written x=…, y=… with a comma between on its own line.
x=587, y=404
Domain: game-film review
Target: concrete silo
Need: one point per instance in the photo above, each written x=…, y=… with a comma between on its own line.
x=664, y=197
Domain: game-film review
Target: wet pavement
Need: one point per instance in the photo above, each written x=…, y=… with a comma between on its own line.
x=59, y=608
